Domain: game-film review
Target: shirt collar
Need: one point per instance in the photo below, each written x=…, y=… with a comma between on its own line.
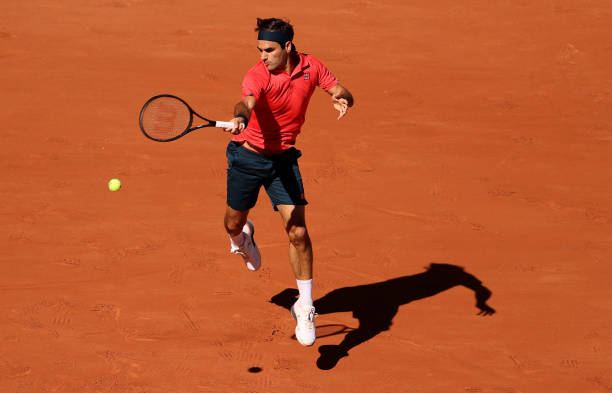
x=303, y=64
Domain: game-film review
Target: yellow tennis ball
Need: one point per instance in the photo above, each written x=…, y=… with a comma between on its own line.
x=114, y=185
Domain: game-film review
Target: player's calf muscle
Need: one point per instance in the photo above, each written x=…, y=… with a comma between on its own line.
x=234, y=220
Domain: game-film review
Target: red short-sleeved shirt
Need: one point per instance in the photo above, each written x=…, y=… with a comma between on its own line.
x=282, y=100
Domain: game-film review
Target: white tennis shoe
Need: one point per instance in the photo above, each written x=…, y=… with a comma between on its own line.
x=305, y=330
x=248, y=250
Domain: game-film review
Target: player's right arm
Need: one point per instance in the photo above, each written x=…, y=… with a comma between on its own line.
x=242, y=114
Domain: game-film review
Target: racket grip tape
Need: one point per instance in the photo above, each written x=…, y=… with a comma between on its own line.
x=224, y=124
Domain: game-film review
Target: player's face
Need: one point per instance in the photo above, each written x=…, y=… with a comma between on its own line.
x=273, y=54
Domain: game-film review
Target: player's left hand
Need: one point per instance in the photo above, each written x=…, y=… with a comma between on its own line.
x=341, y=105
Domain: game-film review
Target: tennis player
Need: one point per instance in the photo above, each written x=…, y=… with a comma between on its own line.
x=267, y=120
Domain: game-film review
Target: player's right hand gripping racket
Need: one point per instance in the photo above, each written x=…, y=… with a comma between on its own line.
x=165, y=118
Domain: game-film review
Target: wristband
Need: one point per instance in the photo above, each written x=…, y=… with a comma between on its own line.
x=246, y=119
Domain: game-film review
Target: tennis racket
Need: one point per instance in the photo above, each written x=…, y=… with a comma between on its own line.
x=165, y=118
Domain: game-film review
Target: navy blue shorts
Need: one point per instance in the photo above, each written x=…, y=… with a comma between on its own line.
x=247, y=171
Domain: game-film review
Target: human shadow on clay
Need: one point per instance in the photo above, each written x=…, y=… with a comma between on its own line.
x=375, y=305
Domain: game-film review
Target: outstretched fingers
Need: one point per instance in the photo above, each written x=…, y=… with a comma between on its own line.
x=340, y=104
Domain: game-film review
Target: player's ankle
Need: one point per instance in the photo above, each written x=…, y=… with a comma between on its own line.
x=305, y=290
x=238, y=240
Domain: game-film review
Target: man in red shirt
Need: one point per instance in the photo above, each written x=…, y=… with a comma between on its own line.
x=267, y=120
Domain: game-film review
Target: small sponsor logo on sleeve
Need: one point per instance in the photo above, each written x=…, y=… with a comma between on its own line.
x=306, y=76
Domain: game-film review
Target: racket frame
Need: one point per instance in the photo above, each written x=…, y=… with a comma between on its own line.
x=211, y=123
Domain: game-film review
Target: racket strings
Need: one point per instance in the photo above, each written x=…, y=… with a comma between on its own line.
x=166, y=118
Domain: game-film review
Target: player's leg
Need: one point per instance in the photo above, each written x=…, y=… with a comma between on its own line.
x=300, y=246
x=286, y=192
x=242, y=237
x=245, y=174
x=300, y=257
x=234, y=220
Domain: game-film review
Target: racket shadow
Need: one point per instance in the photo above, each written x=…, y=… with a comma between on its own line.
x=375, y=305
x=330, y=330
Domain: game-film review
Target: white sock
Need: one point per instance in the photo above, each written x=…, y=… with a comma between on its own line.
x=305, y=289
x=237, y=240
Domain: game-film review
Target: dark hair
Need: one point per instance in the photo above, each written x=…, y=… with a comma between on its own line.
x=275, y=24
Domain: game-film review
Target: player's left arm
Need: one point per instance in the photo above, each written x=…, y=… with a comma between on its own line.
x=342, y=99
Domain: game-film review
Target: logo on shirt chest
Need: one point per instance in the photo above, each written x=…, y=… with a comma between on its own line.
x=306, y=76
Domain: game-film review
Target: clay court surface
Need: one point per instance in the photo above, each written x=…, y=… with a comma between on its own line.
x=480, y=142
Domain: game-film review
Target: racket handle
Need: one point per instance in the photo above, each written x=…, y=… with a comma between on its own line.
x=224, y=124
